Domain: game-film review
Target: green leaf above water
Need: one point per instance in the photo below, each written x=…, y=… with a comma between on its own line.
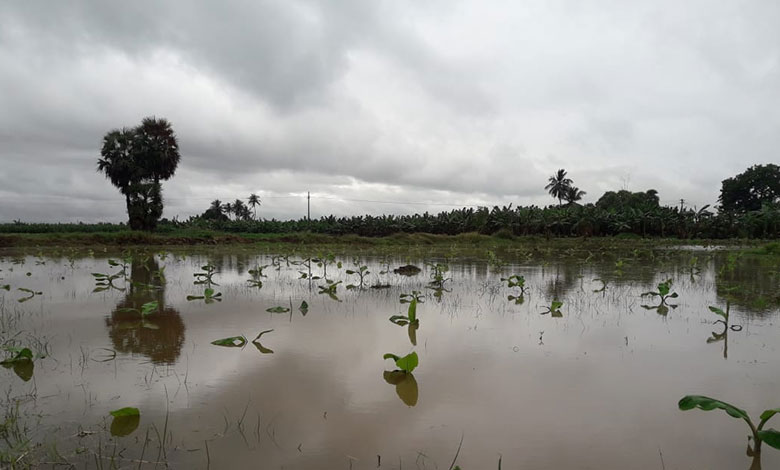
x=21, y=355
x=718, y=311
x=125, y=421
x=407, y=363
x=304, y=308
x=126, y=411
x=277, y=309
x=690, y=402
x=771, y=437
x=231, y=342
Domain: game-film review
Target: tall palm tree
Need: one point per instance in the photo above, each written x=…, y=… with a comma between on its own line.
x=216, y=206
x=228, y=208
x=117, y=161
x=136, y=160
x=558, y=185
x=254, y=201
x=240, y=209
x=573, y=194
x=157, y=150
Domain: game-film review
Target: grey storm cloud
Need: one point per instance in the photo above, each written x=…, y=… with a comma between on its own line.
x=415, y=105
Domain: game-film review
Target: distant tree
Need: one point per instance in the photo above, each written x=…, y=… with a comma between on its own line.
x=215, y=211
x=622, y=200
x=750, y=190
x=240, y=210
x=135, y=161
x=254, y=201
x=558, y=185
x=227, y=208
x=573, y=194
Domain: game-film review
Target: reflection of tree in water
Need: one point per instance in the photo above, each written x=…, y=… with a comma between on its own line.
x=158, y=336
x=749, y=282
x=563, y=278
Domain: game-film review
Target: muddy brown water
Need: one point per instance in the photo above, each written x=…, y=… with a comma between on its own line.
x=594, y=388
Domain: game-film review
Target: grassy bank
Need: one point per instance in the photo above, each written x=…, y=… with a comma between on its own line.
x=196, y=237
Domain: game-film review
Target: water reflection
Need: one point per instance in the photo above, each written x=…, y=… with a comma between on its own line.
x=160, y=335
x=405, y=385
x=750, y=282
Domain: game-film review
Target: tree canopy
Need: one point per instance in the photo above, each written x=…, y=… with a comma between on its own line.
x=622, y=200
x=750, y=190
x=135, y=160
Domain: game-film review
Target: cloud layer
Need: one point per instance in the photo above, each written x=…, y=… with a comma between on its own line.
x=433, y=103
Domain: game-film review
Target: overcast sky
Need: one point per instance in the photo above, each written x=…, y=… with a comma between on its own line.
x=437, y=102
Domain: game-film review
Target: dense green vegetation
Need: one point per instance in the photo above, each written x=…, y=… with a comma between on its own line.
x=508, y=221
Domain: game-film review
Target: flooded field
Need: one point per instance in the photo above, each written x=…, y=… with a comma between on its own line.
x=523, y=359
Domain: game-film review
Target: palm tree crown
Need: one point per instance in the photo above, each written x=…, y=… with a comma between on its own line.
x=558, y=185
x=254, y=201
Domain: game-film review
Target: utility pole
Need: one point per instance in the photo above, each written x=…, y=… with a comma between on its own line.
x=308, y=206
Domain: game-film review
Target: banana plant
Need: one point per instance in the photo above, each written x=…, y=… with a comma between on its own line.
x=323, y=261
x=257, y=275
x=759, y=435
x=664, y=289
x=438, y=278
x=554, y=309
x=518, y=282
x=360, y=271
x=411, y=315
x=406, y=363
x=723, y=335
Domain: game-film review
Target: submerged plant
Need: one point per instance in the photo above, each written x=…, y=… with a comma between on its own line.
x=21, y=361
x=330, y=289
x=277, y=309
x=603, y=285
x=515, y=281
x=411, y=315
x=104, y=282
x=209, y=296
x=257, y=275
x=664, y=292
x=206, y=277
x=231, y=342
x=125, y=421
x=241, y=341
x=758, y=434
x=30, y=294
x=554, y=309
x=438, y=278
x=723, y=335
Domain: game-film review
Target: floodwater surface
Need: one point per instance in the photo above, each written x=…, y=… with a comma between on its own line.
x=594, y=384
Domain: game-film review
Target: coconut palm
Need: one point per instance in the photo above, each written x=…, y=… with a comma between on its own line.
x=573, y=194
x=227, y=208
x=240, y=210
x=254, y=201
x=558, y=185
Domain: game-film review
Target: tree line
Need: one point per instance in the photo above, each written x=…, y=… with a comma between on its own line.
x=136, y=160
